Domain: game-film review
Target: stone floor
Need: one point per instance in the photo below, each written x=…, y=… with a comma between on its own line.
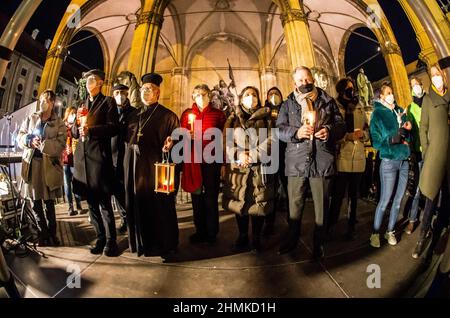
x=215, y=271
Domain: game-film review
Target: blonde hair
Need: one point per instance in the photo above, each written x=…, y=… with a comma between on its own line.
x=444, y=75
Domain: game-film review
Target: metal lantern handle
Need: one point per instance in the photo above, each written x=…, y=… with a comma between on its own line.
x=165, y=157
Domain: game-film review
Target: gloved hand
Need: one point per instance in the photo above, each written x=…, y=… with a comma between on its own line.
x=396, y=139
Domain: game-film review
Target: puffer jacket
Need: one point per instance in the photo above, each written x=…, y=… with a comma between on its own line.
x=248, y=190
x=306, y=158
x=351, y=154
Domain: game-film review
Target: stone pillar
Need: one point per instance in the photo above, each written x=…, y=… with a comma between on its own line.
x=14, y=30
x=180, y=98
x=268, y=80
x=146, y=38
x=297, y=34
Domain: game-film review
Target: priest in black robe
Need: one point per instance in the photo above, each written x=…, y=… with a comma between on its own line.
x=151, y=216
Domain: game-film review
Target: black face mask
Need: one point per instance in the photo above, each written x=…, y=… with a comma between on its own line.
x=349, y=93
x=307, y=88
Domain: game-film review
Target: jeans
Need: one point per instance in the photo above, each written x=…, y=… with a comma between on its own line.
x=389, y=170
x=68, y=174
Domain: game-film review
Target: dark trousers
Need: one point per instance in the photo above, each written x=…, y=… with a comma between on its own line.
x=320, y=193
x=102, y=216
x=47, y=226
x=243, y=222
x=281, y=182
x=206, y=204
x=342, y=182
x=119, y=196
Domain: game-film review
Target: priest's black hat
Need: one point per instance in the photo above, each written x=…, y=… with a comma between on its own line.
x=96, y=72
x=153, y=78
x=120, y=87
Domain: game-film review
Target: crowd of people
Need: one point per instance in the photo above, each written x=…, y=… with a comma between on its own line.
x=105, y=151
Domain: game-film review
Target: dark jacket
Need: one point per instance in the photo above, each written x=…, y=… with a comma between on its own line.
x=93, y=168
x=306, y=158
x=383, y=126
x=435, y=138
x=248, y=190
x=118, y=142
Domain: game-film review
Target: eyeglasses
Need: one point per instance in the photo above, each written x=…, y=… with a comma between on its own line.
x=147, y=89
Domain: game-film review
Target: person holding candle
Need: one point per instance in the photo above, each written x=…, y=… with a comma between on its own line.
x=152, y=218
x=248, y=191
x=202, y=179
x=42, y=136
x=93, y=176
x=389, y=129
x=311, y=124
x=351, y=159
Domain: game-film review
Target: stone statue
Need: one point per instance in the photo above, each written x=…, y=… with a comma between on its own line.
x=365, y=89
x=128, y=79
x=222, y=97
x=81, y=91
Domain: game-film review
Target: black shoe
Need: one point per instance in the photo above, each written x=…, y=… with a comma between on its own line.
x=111, y=249
x=256, y=245
x=98, y=248
x=123, y=228
x=55, y=241
x=11, y=288
x=318, y=252
x=71, y=211
x=241, y=243
x=288, y=246
x=197, y=238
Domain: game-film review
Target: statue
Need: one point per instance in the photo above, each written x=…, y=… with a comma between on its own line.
x=128, y=79
x=81, y=91
x=222, y=98
x=365, y=89
x=321, y=79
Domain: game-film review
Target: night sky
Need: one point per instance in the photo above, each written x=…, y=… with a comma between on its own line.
x=50, y=12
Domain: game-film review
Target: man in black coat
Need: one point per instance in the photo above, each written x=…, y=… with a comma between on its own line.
x=311, y=124
x=93, y=176
x=124, y=108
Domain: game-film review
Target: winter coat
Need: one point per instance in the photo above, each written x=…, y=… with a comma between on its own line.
x=434, y=138
x=52, y=145
x=383, y=126
x=248, y=190
x=351, y=154
x=306, y=158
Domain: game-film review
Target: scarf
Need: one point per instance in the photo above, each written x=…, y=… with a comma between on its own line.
x=306, y=101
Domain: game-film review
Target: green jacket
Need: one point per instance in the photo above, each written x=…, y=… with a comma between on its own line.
x=434, y=137
x=383, y=126
x=414, y=114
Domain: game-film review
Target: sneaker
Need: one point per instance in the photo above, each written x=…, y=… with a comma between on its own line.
x=410, y=227
x=375, y=240
x=390, y=237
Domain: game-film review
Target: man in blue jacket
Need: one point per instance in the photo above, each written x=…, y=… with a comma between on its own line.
x=311, y=124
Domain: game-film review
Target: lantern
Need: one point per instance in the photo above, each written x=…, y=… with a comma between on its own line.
x=165, y=177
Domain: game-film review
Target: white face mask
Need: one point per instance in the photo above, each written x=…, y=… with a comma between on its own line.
x=275, y=100
x=247, y=101
x=71, y=118
x=120, y=99
x=44, y=106
x=390, y=99
x=201, y=101
x=418, y=90
x=438, y=81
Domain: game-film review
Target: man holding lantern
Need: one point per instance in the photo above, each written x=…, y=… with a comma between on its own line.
x=93, y=176
x=150, y=196
x=311, y=124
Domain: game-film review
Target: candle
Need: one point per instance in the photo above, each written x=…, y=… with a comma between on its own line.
x=191, y=120
x=310, y=120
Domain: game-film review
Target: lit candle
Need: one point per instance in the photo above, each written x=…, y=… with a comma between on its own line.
x=311, y=118
x=191, y=120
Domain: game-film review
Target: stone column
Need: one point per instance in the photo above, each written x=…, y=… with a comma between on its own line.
x=180, y=98
x=268, y=80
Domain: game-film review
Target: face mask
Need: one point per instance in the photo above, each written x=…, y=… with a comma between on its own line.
x=307, y=88
x=349, y=92
x=275, y=100
x=44, y=106
x=201, y=101
x=418, y=90
x=71, y=118
x=91, y=85
x=120, y=99
x=247, y=101
x=390, y=99
x=438, y=81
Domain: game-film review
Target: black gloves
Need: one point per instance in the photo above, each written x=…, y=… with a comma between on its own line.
x=400, y=137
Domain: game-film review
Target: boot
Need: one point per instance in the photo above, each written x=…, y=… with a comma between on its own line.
x=293, y=237
x=98, y=248
x=257, y=224
x=11, y=288
x=242, y=241
x=71, y=211
x=111, y=249
x=79, y=208
x=318, y=240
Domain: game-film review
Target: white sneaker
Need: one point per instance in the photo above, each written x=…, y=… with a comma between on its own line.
x=390, y=237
